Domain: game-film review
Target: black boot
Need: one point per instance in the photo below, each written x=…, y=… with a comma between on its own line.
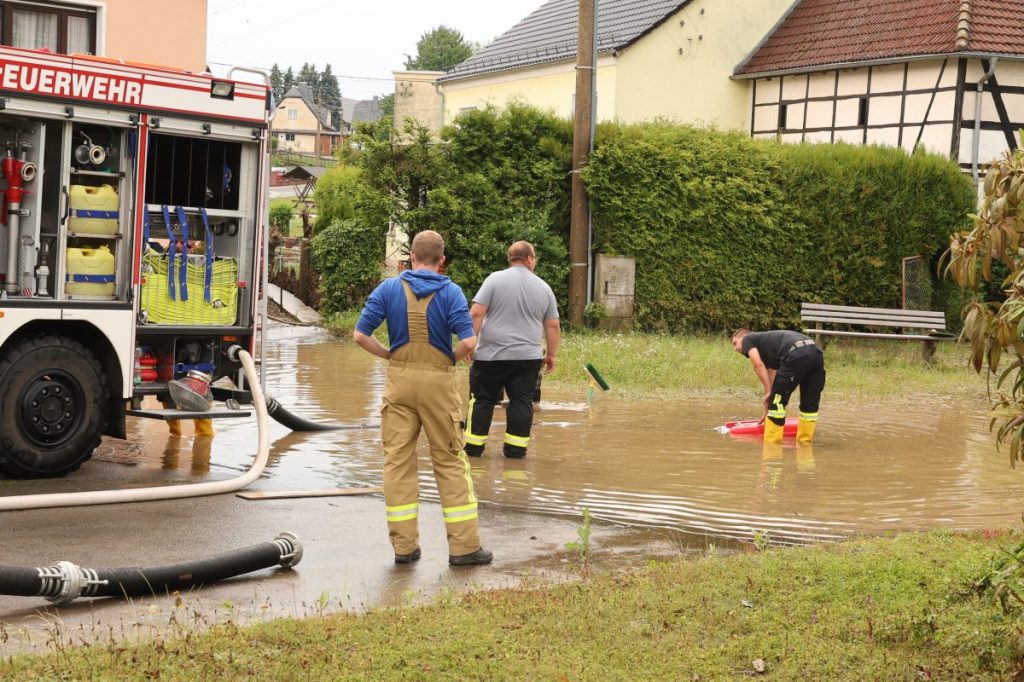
x=514, y=451
x=478, y=558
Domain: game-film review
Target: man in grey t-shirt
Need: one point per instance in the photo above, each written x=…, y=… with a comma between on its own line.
x=512, y=311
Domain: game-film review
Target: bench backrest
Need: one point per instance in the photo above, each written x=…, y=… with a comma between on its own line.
x=872, y=317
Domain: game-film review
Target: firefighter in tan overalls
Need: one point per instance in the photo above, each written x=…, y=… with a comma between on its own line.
x=423, y=309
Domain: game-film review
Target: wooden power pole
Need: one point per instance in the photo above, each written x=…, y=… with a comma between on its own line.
x=579, y=225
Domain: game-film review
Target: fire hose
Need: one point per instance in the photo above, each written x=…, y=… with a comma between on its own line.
x=63, y=582
x=294, y=422
x=165, y=492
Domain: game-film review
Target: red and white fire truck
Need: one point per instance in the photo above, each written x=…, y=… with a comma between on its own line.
x=132, y=233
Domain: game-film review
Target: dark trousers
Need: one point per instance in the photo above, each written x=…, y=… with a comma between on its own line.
x=487, y=379
x=803, y=367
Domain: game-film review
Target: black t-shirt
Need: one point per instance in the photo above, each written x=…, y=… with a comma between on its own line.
x=771, y=346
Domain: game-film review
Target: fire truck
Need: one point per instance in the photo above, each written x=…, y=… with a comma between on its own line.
x=132, y=235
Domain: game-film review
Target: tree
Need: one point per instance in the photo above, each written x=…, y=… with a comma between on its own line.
x=991, y=252
x=440, y=49
x=308, y=75
x=387, y=104
x=287, y=81
x=331, y=96
x=277, y=82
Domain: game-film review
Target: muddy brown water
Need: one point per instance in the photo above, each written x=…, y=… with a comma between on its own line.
x=874, y=468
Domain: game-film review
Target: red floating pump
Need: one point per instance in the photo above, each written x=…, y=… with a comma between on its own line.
x=752, y=427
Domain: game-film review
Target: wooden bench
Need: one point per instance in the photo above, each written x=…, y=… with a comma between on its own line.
x=913, y=320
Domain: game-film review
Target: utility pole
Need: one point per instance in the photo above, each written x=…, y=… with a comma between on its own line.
x=579, y=257
x=318, y=95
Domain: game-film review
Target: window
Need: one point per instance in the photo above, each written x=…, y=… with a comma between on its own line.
x=289, y=137
x=293, y=114
x=862, y=112
x=39, y=25
x=783, y=115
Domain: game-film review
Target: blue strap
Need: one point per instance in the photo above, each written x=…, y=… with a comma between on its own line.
x=183, y=270
x=105, y=215
x=170, y=252
x=145, y=229
x=202, y=367
x=91, y=279
x=208, y=275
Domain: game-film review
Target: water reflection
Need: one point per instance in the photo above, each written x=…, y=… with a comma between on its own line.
x=643, y=463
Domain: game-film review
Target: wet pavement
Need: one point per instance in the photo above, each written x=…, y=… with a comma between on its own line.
x=656, y=476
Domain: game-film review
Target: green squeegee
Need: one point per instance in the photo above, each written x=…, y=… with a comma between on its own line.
x=592, y=371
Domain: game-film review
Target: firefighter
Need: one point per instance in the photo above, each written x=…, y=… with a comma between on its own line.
x=423, y=309
x=783, y=360
x=512, y=310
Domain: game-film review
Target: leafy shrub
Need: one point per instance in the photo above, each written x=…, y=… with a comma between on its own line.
x=281, y=212
x=335, y=195
x=728, y=231
x=348, y=254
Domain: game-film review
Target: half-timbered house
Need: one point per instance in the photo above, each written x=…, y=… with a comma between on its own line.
x=947, y=75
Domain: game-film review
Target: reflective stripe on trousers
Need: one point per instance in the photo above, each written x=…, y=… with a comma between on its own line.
x=518, y=441
x=403, y=512
x=466, y=512
x=472, y=438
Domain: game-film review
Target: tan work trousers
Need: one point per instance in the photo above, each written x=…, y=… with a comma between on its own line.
x=421, y=392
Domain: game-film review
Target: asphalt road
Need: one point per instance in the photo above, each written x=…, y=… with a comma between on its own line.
x=347, y=563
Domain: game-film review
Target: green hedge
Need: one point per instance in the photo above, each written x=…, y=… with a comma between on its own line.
x=728, y=231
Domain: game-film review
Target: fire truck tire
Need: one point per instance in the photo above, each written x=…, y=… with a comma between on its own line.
x=53, y=407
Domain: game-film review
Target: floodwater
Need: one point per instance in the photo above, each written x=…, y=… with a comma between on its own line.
x=874, y=468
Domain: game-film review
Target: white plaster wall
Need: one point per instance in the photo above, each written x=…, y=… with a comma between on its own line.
x=766, y=118
x=819, y=114
x=884, y=110
x=853, y=81
x=823, y=84
x=794, y=87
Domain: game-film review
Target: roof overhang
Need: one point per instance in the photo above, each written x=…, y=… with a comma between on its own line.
x=498, y=68
x=874, y=62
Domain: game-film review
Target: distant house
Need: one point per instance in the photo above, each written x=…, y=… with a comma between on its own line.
x=300, y=125
x=355, y=111
x=656, y=58
x=944, y=74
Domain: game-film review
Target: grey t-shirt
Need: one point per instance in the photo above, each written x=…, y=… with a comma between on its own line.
x=518, y=302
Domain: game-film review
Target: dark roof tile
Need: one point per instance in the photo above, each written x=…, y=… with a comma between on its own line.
x=549, y=34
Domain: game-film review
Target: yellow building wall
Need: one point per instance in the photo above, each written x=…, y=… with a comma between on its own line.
x=549, y=87
x=418, y=99
x=681, y=70
x=165, y=33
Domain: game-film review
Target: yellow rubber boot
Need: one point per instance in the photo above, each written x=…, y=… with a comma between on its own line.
x=805, y=430
x=804, y=457
x=204, y=427
x=772, y=432
x=174, y=426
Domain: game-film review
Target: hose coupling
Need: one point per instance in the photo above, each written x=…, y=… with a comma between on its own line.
x=291, y=549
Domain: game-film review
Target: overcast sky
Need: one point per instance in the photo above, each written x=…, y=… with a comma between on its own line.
x=362, y=41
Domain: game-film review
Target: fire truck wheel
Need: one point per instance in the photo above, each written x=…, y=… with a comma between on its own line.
x=53, y=406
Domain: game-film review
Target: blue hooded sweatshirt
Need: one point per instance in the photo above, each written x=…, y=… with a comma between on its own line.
x=447, y=314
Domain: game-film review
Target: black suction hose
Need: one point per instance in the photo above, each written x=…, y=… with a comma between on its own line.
x=296, y=423
x=282, y=416
x=63, y=582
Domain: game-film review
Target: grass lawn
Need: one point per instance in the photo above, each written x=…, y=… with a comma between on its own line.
x=657, y=365
x=881, y=609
